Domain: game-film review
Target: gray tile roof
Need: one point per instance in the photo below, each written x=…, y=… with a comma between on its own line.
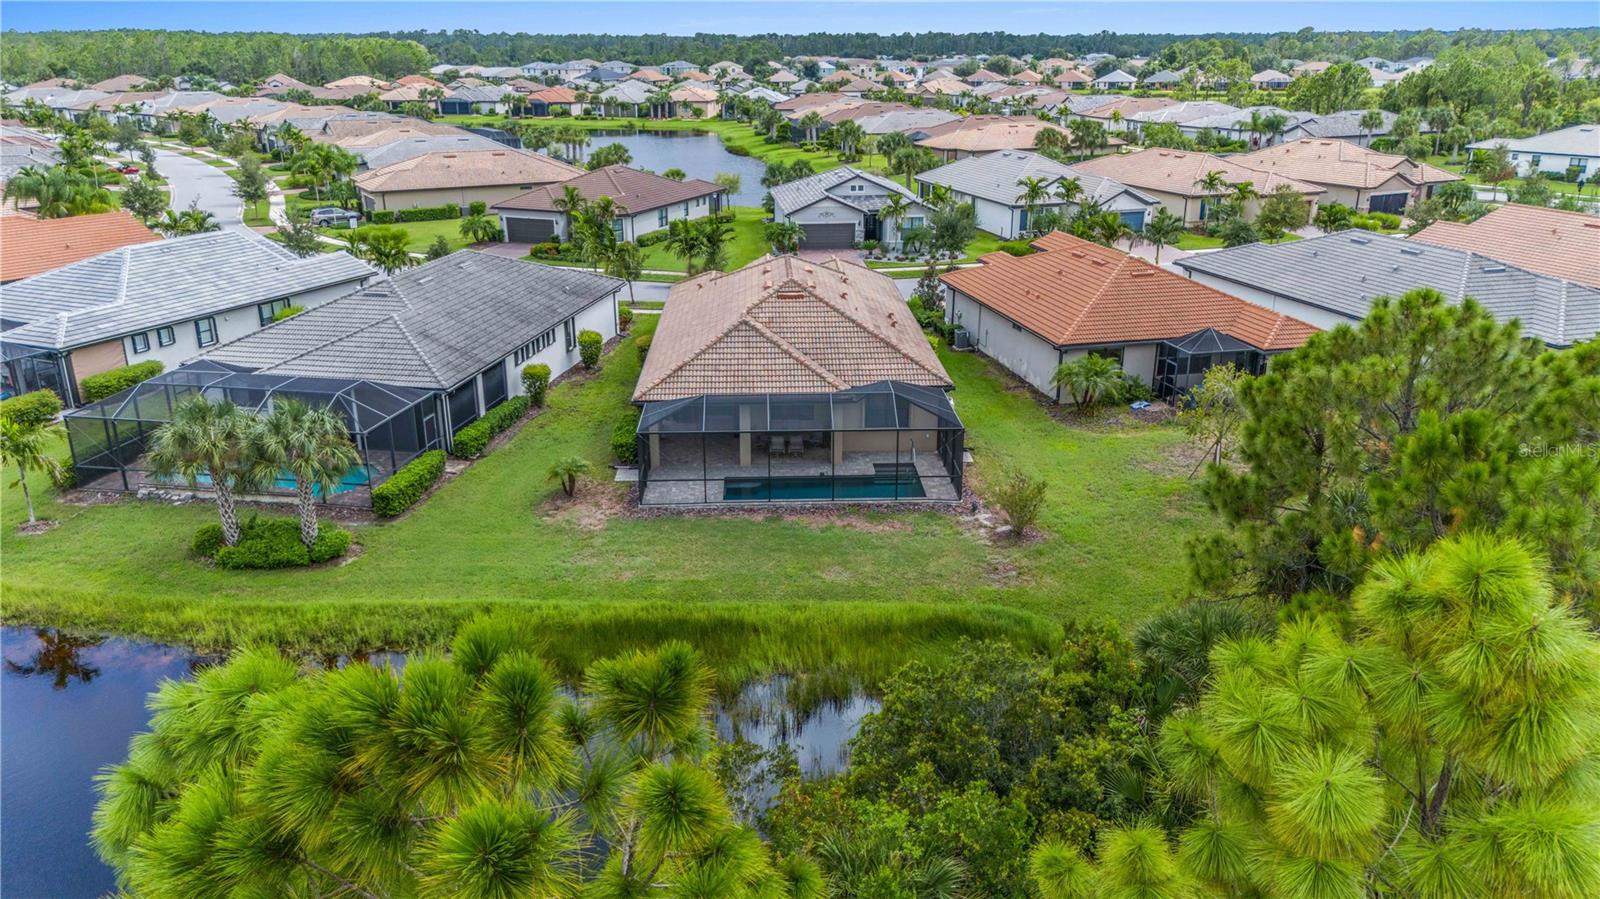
x=1347, y=124
x=1185, y=112
x=432, y=326
x=1076, y=103
x=1344, y=271
x=1228, y=120
x=799, y=194
x=1577, y=140
x=148, y=285
x=994, y=176
x=418, y=145
x=629, y=91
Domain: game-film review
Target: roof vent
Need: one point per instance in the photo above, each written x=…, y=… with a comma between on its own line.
x=1361, y=240
x=1493, y=269
x=1411, y=251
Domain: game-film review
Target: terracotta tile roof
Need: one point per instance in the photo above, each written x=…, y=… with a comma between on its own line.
x=984, y=133
x=1077, y=293
x=784, y=325
x=858, y=86
x=1324, y=161
x=693, y=93
x=365, y=82
x=119, y=83
x=947, y=86
x=633, y=190
x=419, y=80
x=555, y=95
x=1546, y=241
x=470, y=168
x=1177, y=171
x=697, y=76
x=1128, y=106
x=29, y=246
x=649, y=75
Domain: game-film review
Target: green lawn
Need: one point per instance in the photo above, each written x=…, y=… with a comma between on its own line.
x=747, y=242
x=781, y=590
x=421, y=234
x=983, y=243
x=257, y=214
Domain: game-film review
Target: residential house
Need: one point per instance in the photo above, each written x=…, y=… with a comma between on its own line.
x=31, y=246
x=573, y=68
x=800, y=87
x=1117, y=80
x=1332, y=279
x=1314, y=67
x=915, y=122
x=726, y=70
x=401, y=94
x=983, y=76
x=940, y=87
x=1028, y=76
x=1074, y=298
x=385, y=148
x=857, y=87
x=840, y=76
x=487, y=100
x=692, y=101
x=1054, y=67
x=1270, y=80
x=1362, y=179
x=1174, y=177
x=604, y=75
x=794, y=381
x=764, y=94
x=458, y=178
x=1072, y=78
x=980, y=134
x=645, y=203
x=1551, y=242
x=894, y=78
x=360, y=82
x=416, y=81
x=651, y=77
x=618, y=64
x=1554, y=152
x=1180, y=113
x=1235, y=125
x=842, y=207
x=678, y=68
x=1114, y=115
x=20, y=148
x=551, y=101
x=630, y=98
x=1346, y=126
x=697, y=77
x=992, y=183
x=1166, y=79
x=120, y=84
x=782, y=78
x=280, y=84
x=166, y=300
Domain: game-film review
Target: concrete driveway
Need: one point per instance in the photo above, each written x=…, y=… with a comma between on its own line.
x=209, y=187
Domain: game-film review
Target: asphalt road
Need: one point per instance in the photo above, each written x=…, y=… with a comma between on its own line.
x=192, y=181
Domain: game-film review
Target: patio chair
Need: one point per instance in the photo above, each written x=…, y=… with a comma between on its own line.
x=797, y=446
x=777, y=446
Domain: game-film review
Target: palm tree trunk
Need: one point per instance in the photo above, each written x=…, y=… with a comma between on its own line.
x=306, y=500
x=22, y=478
x=225, y=509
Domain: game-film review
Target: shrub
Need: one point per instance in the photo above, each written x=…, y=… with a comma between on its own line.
x=1016, y=247
x=478, y=207
x=98, y=387
x=589, y=345
x=625, y=317
x=726, y=216
x=653, y=238
x=472, y=440
x=1021, y=498
x=536, y=382
x=1134, y=390
x=407, y=485
x=383, y=217
x=643, y=345
x=36, y=407
x=623, y=438
x=287, y=312
x=428, y=213
x=266, y=543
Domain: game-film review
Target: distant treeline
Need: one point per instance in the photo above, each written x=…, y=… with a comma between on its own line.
x=315, y=58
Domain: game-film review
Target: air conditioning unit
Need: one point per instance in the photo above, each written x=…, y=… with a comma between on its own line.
x=961, y=339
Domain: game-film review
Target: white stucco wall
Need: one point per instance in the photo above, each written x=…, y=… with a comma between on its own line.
x=1026, y=354
x=1554, y=163
x=600, y=316
x=1313, y=315
x=231, y=325
x=633, y=226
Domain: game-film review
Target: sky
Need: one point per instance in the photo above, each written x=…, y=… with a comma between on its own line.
x=788, y=16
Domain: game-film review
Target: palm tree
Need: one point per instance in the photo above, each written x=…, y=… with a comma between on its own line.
x=1274, y=123
x=1051, y=140
x=1035, y=190
x=784, y=236
x=1371, y=121
x=385, y=247
x=1087, y=379
x=570, y=203
x=686, y=242
x=566, y=472
x=809, y=124
x=1213, y=182
x=26, y=444
x=480, y=228
x=626, y=262
x=1163, y=229
x=894, y=210
x=210, y=440
x=193, y=220
x=1243, y=192
x=1068, y=190
x=313, y=444
x=1254, y=126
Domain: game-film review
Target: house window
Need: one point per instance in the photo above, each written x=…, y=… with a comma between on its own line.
x=534, y=347
x=265, y=311
x=1534, y=162
x=857, y=188
x=661, y=216
x=570, y=331
x=141, y=343
x=165, y=337
x=205, y=331
x=913, y=221
x=616, y=228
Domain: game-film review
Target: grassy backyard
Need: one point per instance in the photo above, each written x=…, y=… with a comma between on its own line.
x=778, y=590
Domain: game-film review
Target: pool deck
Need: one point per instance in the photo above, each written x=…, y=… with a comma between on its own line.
x=141, y=483
x=685, y=482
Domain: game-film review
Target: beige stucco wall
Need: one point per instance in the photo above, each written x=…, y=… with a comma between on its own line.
x=461, y=196
x=96, y=358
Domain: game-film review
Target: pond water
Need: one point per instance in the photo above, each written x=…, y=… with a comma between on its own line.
x=68, y=707
x=699, y=154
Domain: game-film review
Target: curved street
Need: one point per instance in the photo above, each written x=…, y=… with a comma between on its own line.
x=193, y=181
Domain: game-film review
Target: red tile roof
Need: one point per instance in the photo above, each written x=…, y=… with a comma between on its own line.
x=30, y=246
x=633, y=190
x=1546, y=241
x=1077, y=293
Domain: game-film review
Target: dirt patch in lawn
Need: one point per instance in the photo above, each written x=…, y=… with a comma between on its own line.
x=590, y=509
x=37, y=527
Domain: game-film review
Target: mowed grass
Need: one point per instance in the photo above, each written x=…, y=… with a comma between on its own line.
x=857, y=590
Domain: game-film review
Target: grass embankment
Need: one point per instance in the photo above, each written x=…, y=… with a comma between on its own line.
x=855, y=592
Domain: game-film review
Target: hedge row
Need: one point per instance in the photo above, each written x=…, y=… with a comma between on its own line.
x=624, y=438
x=38, y=407
x=407, y=485
x=653, y=238
x=271, y=543
x=106, y=383
x=420, y=214
x=471, y=440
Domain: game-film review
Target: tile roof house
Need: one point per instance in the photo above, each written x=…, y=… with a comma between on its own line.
x=166, y=300
x=993, y=183
x=1353, y=176
x=983, y=76
x=1181, y=112
x=30, y=246
x=280, y=83
x=1117, y=80
x=385, y=148
x=627, y=98
x=842, y=207
x=650, y=76
x=1123, y=107
x=782, y=77
x=1270, y=80
x=794, y=380
x=1032, y=313
x=692, y=101
x=1552, y=152
x=460, y=178
x=645, y=201
x=1173, y=177
x=1546, y=241
x=119, y=83
x=363, y=82
x=979, y=134
x=1332, y=279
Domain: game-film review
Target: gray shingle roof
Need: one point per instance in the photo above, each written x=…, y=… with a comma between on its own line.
x=1343, y=272
x=432, y=326
x=799, y=194
x=1577, y=140
x=994, y=176
x=148, y=285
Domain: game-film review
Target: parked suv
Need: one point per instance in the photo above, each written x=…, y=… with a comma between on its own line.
x=334, y=217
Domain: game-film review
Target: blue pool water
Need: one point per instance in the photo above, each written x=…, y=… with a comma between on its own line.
x=879, y=486
x=359, y=476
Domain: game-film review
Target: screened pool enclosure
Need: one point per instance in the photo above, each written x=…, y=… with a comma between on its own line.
x=389, y=425
x=887, y=441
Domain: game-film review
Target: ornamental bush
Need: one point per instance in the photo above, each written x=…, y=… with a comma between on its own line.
x=536, y=382
x=266, y=543
x=643, y=344
x=624, y=444
x=36, y=407
x=653, y=238
x=287, y=312
x=100, y=386
x=383, y=217
x=589, y=345
x=407, y=485
x=472, y=440
x=428, y=213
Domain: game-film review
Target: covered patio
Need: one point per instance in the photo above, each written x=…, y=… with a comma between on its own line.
x=885, y=441
x=1181, y=363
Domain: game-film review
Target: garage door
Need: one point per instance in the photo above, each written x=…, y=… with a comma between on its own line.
x=519, y=230
x=1390, y=203
x=828, y=237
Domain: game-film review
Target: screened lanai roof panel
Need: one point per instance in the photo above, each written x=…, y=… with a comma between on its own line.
x=882, y=405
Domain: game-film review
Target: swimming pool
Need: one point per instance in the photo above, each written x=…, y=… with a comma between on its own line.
x=360, y=476
x=890, y=481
